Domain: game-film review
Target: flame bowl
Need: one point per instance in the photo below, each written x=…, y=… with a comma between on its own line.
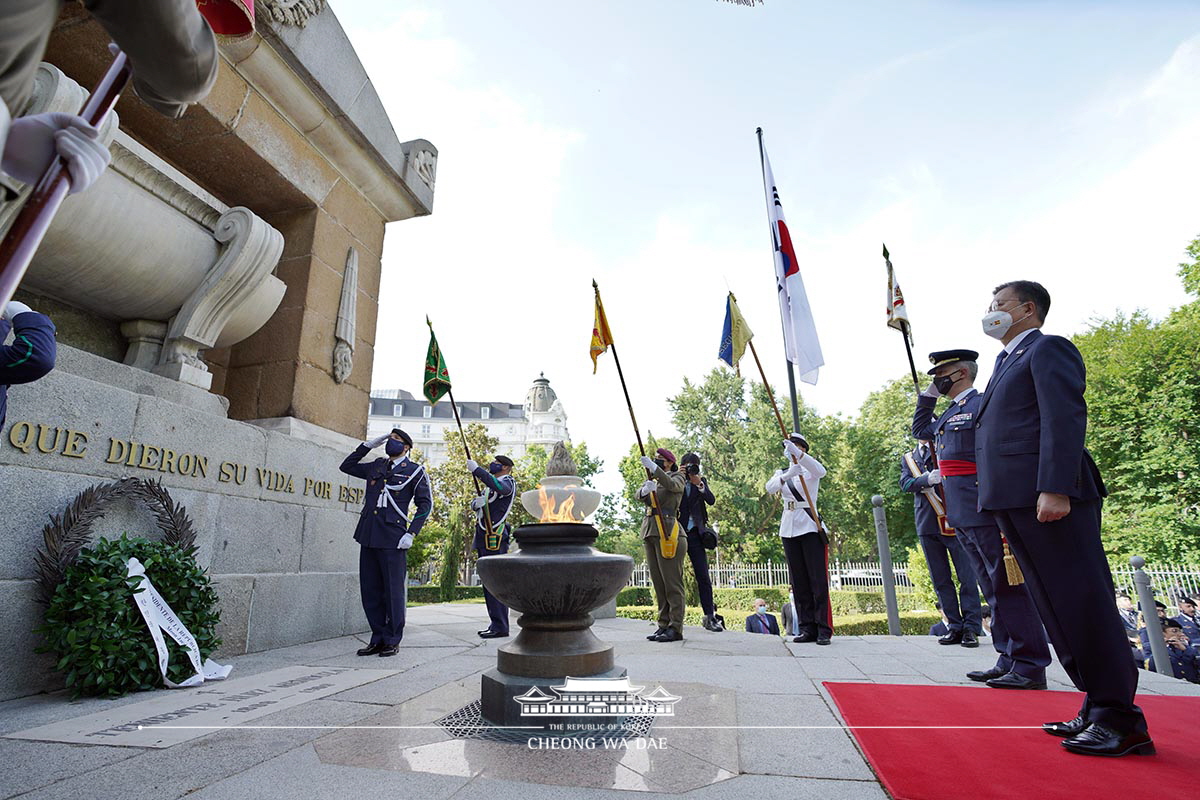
x=557, y=489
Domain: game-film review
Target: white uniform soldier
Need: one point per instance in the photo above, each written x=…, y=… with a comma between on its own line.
x=804, y=540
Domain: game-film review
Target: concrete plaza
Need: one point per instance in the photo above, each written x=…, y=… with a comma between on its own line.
x=738, y=692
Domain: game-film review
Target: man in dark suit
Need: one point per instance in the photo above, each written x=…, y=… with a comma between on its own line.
x=1045, y=493
x=960, y=609
x=693, y=518
x=940, y=628
x=499, y=493
x=385, y=532
x=1017, y=634
x=32, y=353
x=760, y=621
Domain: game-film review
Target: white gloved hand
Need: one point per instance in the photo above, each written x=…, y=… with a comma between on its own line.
x=793, y=450
x=478, y=502
x=15, y=307
x=931, y=391
x=378, y=440
x=34, y=141
x=935, y=477
x=472, y=465
x=792, y=472
x=646, y=488
x=405, y=541
x=648, y=463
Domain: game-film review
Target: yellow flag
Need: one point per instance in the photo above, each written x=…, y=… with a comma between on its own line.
x=601, y=335
x=735, y=335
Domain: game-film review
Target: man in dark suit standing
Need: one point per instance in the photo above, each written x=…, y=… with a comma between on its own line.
x=760, y=621
x=1045, y=492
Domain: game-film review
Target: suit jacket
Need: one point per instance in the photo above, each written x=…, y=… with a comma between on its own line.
x=926, y=517
x=693, y=507
x=384, y=521
x=669, y=493
x=756, y=624
x=29, y=357
x=953, y=437
x=938, y=629
x=501, y=493
x=1030, y=427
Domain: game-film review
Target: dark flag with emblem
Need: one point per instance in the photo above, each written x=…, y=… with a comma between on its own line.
x=437, y=376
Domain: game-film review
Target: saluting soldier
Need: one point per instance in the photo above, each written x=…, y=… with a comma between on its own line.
x=1017, y=633
x=385, y=532
x=500, y=490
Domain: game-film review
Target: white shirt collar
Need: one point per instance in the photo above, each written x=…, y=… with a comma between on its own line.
x=1008, y=348
x=963, y=395
x=397, y=460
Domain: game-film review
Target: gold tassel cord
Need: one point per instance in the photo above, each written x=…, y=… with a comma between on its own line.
x=1011, y=568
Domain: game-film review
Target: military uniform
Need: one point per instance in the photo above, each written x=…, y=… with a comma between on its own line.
x=500, y=493
x=29, y=357
x=1191, y=627
x=393, y=484
x=961, y=608
x=1017, y=632
x=666, y=574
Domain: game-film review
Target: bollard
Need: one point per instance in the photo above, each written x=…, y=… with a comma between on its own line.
x=885, y=561
x=1154, y=632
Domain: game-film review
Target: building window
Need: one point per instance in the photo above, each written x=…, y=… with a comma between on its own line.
x=486, y=411
x=427, y=412
x=425, y=430
x=398, y=409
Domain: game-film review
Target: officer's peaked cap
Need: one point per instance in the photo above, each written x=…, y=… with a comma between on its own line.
x=403, y=436
x=505, y=460
x=943, y=357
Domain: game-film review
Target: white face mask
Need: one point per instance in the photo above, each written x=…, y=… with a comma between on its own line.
x=997, y=323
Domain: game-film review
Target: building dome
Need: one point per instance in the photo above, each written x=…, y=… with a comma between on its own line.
x=540, y=397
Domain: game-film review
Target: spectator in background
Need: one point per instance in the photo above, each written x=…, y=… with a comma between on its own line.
x=1127, y=611
x=791, y=625
x=986, y=618
x=940, y=628
x=1187, y=620
x=760, y=621
x=1185, y=659
x=1144, y=631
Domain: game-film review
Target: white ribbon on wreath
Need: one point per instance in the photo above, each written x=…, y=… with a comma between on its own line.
x=159, y=617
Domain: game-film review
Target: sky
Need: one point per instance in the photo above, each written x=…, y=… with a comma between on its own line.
x=615, y=140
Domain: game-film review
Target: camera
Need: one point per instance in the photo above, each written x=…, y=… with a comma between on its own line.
x=691, y=469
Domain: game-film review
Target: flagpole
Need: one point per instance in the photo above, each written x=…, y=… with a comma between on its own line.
x=762, y=162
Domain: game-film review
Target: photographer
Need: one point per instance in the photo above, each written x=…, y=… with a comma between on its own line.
x=1185, y=659
x=693, y=518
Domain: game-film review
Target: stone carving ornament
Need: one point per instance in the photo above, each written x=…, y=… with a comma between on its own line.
x=293, y=12
x=343, y=351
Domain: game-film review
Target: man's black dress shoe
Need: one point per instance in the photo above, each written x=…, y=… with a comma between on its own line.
x=982, y=675
x=669, y=635
x=493, y=634
x=823, y=640
x=388, y=650
x=654, y=636
x=485, y=630
x=953, y=637
x=370, y=650
x=1012, y=680
x=1070, y=728
x=804, y=638
x=1098, y=739
x=969, y=640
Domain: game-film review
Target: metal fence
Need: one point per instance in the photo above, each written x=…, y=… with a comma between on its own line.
x=1169, y=581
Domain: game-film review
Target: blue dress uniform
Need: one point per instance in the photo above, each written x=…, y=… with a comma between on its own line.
x=31, y=355
x=1017, y=633
x=501, y=493
x=1190, y=626
x=392, y=485
x=1029, y=433
x=962, y=610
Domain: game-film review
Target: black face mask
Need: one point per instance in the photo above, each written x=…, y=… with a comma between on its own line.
x=944, y=383
x=394, y=447
x=661, y=464
x=495, y=467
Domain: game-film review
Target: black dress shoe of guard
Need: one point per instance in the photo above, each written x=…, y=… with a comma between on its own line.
x=823, y=640
x=669, y=635
x=370, y=650
x=804, y=638
x=953, y=637
x=1098, y=739
x=1070, y=728
x=1012, y=680
x=654, y=636
x=493, y=634
x=485, y=630
x=982, y=675
x=969, y=639
x=388, y=650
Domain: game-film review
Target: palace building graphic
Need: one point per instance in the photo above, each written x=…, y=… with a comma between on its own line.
x=581, y=696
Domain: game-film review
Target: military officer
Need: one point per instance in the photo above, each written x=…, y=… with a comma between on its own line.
x=1017, y=633
x=964, y=621
x=499, y=493
x=1044, y=489
x=32, y=353
x=1188, y=621
x=384, y=533
x=665, y=484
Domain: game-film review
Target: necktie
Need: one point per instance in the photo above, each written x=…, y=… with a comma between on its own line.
x=999, y=360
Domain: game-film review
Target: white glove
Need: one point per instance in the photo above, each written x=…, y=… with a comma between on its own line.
x=405, y=541
x=478, y=502
x=792, y=472
x=648, y=463
x=13, y=308
x=793, y=450
x=931, y=391
x=935, y=476
x=34, y=141
x=472, y=465
x=378, y=440
x=646, y=488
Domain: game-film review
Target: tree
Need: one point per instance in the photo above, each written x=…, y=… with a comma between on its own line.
x=453, y=486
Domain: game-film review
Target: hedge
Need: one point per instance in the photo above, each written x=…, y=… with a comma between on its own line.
x=432, y=593
x=912, y=623
x=741, y=599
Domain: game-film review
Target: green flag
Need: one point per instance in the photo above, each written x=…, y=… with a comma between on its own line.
x=437, y=376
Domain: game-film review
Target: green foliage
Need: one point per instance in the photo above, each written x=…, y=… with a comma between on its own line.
x=635, y=596
x=918, y=573
x=94, y=629
x=912, y=623
x=451, y=556
x=438, y=593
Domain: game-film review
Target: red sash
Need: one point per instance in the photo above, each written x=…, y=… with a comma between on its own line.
x=950, y=466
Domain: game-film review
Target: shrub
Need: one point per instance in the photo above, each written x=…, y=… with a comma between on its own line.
x=95, y=630
x=912, y=623
x=432, y=593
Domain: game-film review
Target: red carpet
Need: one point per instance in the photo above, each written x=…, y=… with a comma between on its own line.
x=1021, y=762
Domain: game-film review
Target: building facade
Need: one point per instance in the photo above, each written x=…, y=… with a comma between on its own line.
x=540, y=420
